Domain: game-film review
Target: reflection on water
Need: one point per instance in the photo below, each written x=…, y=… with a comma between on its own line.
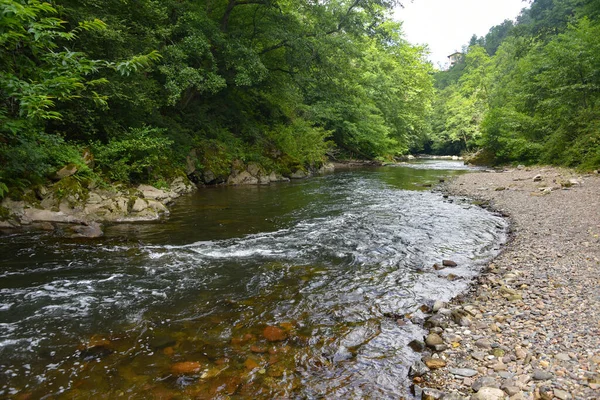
x=292, y=290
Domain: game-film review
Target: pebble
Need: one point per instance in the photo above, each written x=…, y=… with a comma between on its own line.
x=541, y=375
x=486, y=381
x=561, y=394
x=488, y=393
x=433, y=339
x=528, y=316
x=464, y=372
x=434, y=363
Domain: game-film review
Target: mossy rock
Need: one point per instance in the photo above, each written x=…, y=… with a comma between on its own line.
x=4, y=213
x=72, y=189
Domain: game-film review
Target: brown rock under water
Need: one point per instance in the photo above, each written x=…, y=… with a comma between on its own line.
x=186, y=367
x=274, y=334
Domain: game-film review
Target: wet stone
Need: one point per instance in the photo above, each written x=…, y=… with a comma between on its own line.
x=186, y=367
x=418, y=369
x=449, y=263
x=417, y=345
x=274, y=334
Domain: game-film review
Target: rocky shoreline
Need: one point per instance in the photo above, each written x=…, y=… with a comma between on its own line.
x=529, y=328
x=76, y=209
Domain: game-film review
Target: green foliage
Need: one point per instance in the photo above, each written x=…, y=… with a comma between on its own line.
x=3, y=190
x=139, y=155
x=273, y=83
x=537, y=99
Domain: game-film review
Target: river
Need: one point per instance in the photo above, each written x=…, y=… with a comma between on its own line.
x=332, y=269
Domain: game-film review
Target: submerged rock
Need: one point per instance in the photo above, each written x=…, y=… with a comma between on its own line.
x=274, y=334
x=449, y=263
x=90, y=231
x=186, y=367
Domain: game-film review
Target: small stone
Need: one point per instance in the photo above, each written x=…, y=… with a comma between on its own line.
x=440, y=347
x=431, y=394
x=561, y=394
x=546, y=393
x=562, y=357
x=417, y=345
x=500, y=367
x=500, y=189
x=258, y=349
x=537, y=178
x=514, y=297
x=478, y=355
x=497, y=353
x=520, y=353
x=434, y=363
x=434, y=339
x=453, y=396
x=464, y=372
x=541, y=375
x=251, y=364
x=512, y=390
x=488, y=393
x=485, y=381
x=438, y=267
x=449, y=263
x=418, y=369
x=483, y=344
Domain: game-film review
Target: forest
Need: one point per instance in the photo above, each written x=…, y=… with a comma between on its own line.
x=133, y=91
x=528, y=92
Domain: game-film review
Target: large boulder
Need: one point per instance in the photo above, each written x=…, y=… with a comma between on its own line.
x=150, y=192
x=299, y=174
x=88, y=231
x=242, y=178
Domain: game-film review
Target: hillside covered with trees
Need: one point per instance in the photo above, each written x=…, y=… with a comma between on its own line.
x=139, y=85
x=528, y=91
x=136, y=91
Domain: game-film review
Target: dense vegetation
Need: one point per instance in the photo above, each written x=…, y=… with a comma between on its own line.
x=528, y=91
x=136, y=91
x=140, y=85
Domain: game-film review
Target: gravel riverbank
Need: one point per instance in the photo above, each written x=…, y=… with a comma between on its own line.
x=530, y=327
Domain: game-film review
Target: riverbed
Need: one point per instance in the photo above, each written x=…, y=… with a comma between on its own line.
x=308, y=289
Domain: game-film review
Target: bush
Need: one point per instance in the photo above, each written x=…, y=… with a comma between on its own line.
x=141, y=155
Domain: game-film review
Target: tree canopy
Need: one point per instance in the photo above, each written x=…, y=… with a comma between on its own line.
x=279, y=82
x=528, y=92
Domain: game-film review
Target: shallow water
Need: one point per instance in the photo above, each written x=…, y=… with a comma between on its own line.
x=333, y=262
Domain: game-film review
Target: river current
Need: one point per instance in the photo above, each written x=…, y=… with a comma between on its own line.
x=336, y=267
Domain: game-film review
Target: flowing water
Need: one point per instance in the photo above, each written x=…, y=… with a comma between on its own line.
x=306, y=289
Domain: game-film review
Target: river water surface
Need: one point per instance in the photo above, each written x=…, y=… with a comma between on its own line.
x=335, y=267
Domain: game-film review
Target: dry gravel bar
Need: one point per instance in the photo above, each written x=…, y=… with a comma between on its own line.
x=530, y=327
